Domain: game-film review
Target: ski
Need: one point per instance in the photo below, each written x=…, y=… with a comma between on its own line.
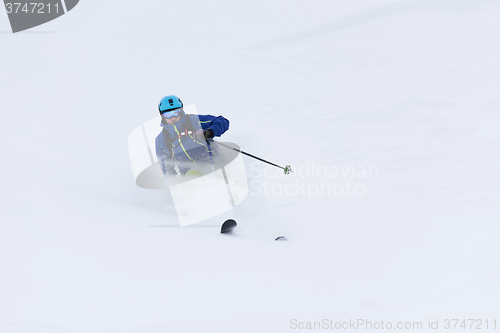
x=228, y=226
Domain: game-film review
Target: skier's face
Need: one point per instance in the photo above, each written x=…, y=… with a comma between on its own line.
x=172, y=120
x=172, y=116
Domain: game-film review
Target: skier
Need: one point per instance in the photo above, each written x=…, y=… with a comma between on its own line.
x=183, y=139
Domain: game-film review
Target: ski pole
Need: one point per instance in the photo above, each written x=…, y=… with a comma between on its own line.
x=287, y=169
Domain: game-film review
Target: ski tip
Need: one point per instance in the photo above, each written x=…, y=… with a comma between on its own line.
x=228, y=226
x=280, y=238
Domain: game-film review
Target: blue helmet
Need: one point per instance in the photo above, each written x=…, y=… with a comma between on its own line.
x=168, y=103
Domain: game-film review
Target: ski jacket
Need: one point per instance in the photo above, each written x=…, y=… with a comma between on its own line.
x=176, y=143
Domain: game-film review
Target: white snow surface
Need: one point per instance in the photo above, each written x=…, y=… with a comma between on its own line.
x=409, y=88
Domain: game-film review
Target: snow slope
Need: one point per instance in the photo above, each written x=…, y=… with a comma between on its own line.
x=407, y=90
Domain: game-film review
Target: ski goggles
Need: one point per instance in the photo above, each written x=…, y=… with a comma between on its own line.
x=171, y=113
